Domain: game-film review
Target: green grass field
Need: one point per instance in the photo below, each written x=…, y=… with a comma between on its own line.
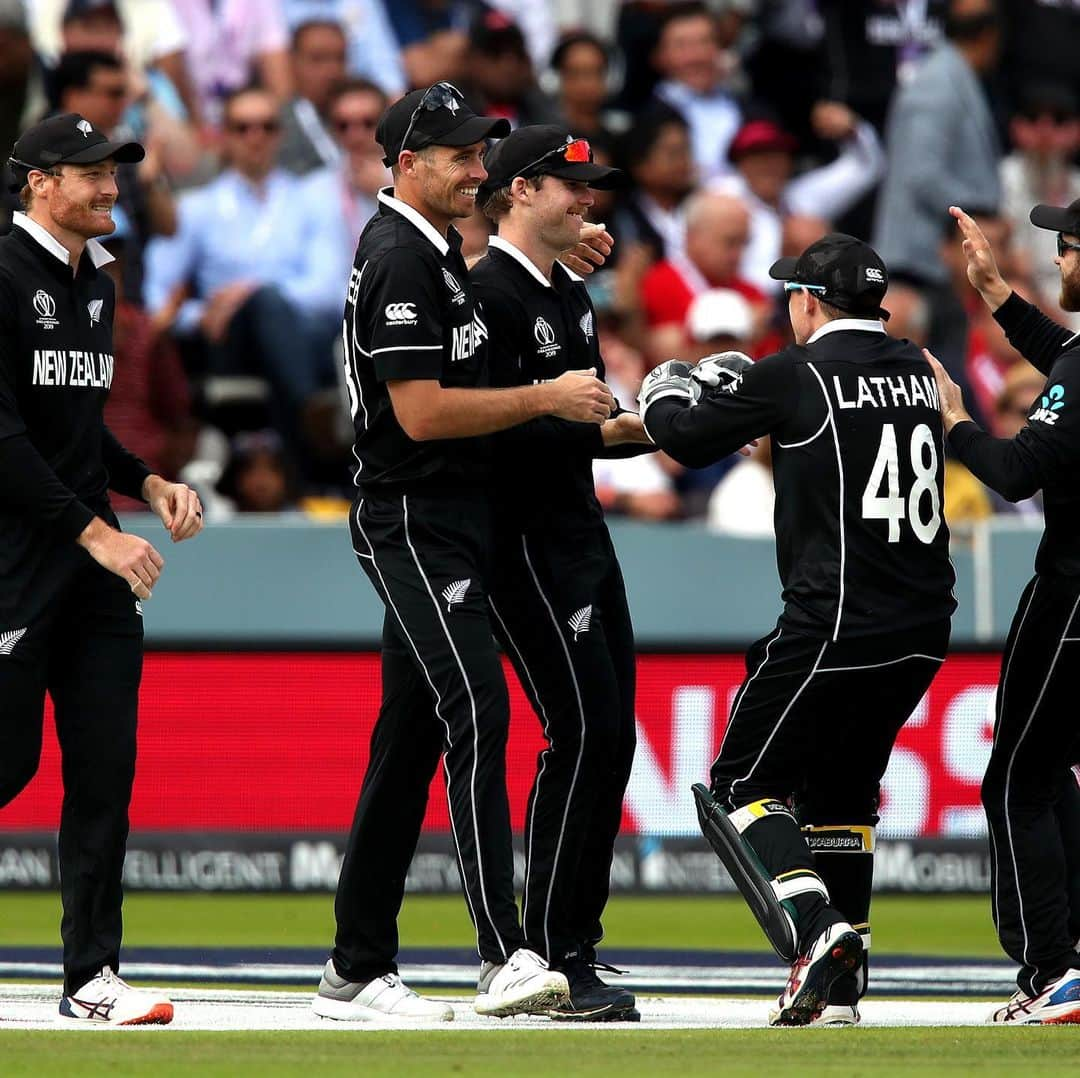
x=954, y=926
x=902, y=925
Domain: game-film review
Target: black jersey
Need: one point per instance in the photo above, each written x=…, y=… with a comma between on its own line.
x=539, y=329
x=410, y=314
x=57, y=457
x=857, y=451
x=1045, y=455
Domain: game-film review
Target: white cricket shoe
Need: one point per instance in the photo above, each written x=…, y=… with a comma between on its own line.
x=524, y=984
x=108, y=1000
x=380, y=998
x=838, y=950
x=1057, y=1004
x=838, y=1014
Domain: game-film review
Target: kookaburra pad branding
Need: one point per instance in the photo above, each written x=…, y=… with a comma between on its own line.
x=767, y=897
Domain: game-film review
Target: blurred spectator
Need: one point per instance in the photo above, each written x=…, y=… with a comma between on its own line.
x=717, y=232
x=21, y=95
x=763, y=156
x=538, y=25
x=372, y=48
x=582, y=64
x=910, y=314
x=346, y=192
x=149, y=405
x=689, y=58
x=258, y=477
x=318, y=65
x=1041, y=168
x=943, y=146
x=640, y=486
x=147, y=33
x=990, y=358
x=656, y=152
x=870, y=48
x=1040, y=41
x=742, y=503
x=230, y=44
x=719, y=320
x=953, y=306
x=1020, y=392
x=432, y=38
x=253, y=267
x=500, y=80
x=95, y=85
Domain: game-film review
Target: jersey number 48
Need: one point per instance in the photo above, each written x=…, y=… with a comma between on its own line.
x=923, y=494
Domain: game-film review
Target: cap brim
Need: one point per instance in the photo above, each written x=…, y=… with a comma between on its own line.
x=1055, y=218
x=126, y=153
x=474, y=129
x=783, y=269
x=602, y=177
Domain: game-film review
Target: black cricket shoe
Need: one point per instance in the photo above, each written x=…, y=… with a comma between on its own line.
x=590, y=999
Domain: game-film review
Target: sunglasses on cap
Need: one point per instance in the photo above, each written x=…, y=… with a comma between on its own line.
x=442, y=95
x=576, y=152
x=1064, y=245
x=797, y=286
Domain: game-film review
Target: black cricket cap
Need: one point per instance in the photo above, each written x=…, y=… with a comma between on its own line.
x=68, y=139
x=445, y=120
x=534, y=151
x=1058, y=218
x=851, y=272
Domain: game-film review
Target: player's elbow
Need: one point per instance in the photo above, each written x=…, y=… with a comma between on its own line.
x=1018, y=488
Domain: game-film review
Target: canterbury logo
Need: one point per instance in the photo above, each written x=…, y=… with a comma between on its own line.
x=9, y=639
x=402, y=313
x=455, y=593
x=579, y=621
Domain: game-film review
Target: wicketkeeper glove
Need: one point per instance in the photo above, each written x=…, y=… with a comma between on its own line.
x=670, y=379
x=721, y=371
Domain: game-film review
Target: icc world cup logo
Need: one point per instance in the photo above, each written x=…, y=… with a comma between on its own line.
x=44, y=304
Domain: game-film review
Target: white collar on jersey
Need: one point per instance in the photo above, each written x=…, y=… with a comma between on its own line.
x=97, y=254
x=519, y=255
x=863, y=325
x=417, y=220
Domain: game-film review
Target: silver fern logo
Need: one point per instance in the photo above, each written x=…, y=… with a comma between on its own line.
x=586, y=324
x=579, y=621
x=9, y=639
x=455, y=593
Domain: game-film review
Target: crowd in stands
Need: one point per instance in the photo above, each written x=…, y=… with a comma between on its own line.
x=748, y=128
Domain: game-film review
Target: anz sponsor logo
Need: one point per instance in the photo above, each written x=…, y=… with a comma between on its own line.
x=1050, y=405
x=467, y=339
x=547, y=346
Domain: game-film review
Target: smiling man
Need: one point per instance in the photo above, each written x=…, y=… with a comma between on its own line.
x=1030, y=790
x=416, y=370
x=557, y=591
x=71, y=583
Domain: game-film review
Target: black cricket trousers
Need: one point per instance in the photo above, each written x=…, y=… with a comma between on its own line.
x=814, y=723
x=560, y=612
x=443, y=694
x=1029, y=791
x=83, y=644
